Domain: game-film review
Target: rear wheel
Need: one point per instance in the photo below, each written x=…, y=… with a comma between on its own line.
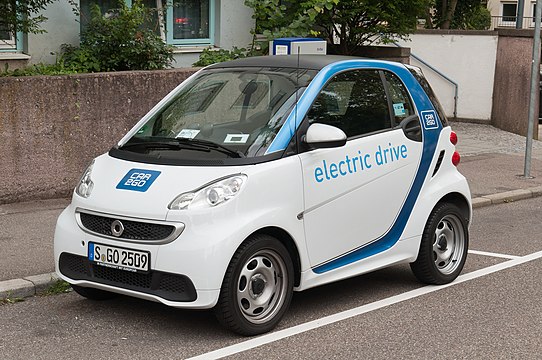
x=444, y=246
x=93, y=294
x=257, y=287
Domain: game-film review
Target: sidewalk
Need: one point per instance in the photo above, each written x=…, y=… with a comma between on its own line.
x=491, y=160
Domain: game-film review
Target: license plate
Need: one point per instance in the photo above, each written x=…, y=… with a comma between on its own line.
x=119, y=258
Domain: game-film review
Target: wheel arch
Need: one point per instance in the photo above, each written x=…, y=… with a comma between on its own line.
x=287, y=240
x=460, y=201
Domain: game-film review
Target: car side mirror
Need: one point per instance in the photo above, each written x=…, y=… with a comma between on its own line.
x=320, y=136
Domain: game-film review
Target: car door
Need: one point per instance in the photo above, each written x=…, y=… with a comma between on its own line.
x=353, y=194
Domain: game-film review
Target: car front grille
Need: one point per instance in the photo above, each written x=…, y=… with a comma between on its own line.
x=173, y=287
x=133, y=230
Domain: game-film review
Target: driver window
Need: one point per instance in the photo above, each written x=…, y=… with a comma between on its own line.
x=354, y=101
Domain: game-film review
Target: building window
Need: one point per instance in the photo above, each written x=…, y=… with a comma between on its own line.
x=509, y=12
x=7, y=41
x=178, y=22
x=534, y=15
x=190, y=22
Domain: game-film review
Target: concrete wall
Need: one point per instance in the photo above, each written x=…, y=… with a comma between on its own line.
x=512, y=82
x=61, y=28
x=235, y=24
x=466, y=57
x=51, y=127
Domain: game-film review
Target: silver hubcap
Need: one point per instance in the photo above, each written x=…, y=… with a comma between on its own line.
x=262, y=286
x=449, y=244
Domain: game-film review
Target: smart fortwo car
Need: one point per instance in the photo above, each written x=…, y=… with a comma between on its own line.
x=263, y=176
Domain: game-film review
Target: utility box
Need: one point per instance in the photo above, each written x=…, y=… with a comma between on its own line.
x=303, y=46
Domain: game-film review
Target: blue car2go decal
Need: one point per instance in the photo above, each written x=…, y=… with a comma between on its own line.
x=138, y=180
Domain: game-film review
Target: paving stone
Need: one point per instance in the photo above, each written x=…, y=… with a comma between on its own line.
x=16, y=288
x=480, y=202
x=508, y=196
x=43, y=281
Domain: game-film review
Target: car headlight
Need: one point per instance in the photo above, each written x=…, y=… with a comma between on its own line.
x=85, y=186
x=210, y=195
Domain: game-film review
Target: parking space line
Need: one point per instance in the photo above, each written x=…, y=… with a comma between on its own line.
x=330, y=319
x=491, y=254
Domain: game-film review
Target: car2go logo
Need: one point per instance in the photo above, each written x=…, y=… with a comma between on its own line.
x=138, y=180
x=429, y=118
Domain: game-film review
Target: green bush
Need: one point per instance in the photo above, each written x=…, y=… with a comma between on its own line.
x=115, y=42
x=210, y=56
x=118, y=41
x=38, y=69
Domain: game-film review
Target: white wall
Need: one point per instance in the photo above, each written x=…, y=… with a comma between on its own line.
x=468, y=60
x=61, y=27
x=235, y=24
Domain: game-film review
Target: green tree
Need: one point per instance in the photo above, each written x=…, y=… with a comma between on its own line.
x=345, y=24
x=22, y=15
x=360, y=23
x=461, y=14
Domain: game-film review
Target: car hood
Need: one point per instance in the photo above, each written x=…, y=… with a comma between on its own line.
x=113, y=194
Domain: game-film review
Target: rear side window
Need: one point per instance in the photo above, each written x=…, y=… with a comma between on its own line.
x=400, y=100
x=355, y=102
x=427, y=88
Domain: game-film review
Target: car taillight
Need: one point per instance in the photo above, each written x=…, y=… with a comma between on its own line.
x=453, y=138
x=456, y=158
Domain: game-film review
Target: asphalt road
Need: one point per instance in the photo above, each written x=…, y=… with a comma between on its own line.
x=493, y=311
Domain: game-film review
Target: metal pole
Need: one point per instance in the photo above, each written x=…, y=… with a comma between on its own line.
x=535, y=70
x=519, y=16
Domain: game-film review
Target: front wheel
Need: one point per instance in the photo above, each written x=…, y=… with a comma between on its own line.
x=444, y=246
x=257, y=288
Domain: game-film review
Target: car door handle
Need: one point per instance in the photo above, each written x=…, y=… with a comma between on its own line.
x=412, y=128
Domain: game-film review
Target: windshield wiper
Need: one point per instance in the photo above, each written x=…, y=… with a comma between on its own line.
x=175, y=145
x=209, y=144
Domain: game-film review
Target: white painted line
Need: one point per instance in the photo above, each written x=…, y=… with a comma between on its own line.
x=502, y=256
x=330, y=319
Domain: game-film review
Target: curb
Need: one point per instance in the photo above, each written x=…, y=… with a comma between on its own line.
x=37, y=284
x=27, y=286
x=506, y=197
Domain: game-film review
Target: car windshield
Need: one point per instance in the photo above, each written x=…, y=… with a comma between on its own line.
x=222, y=113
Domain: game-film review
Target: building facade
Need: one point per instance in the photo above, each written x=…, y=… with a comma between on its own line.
x=189, y=25
x=504, y=13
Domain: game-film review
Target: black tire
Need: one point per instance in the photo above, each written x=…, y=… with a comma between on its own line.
x=93, y=294
x=444, y=246
x=257, y=288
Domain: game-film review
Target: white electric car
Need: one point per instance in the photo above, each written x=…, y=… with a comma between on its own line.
x=259, y=177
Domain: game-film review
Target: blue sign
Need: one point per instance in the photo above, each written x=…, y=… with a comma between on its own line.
x=138, y=180
x=429, y=119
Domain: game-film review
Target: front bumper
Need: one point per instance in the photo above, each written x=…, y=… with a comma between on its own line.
x=168, y=286
x=181, y=274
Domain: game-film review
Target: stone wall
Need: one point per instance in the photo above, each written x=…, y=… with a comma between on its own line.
x=51, y=127
x=512, y=82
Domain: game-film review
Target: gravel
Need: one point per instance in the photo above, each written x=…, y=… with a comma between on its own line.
x=475, y=139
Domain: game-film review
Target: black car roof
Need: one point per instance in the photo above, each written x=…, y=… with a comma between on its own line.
x=314, y=62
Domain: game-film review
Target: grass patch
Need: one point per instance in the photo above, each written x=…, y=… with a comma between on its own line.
x=58, y=287
x=10, y=300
